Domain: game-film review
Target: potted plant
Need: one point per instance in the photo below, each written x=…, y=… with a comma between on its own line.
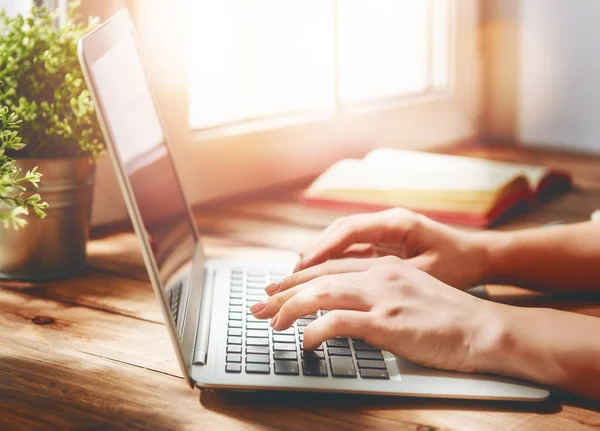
x=50, y=109
x=13, y=182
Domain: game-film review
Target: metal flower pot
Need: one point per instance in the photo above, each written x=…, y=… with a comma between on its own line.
x=53, y=247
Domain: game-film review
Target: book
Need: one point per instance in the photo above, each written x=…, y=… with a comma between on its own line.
x=453, y=189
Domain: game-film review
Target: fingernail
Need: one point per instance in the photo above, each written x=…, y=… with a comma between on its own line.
x=274, y=322
x=258, y=307
x=273, y=288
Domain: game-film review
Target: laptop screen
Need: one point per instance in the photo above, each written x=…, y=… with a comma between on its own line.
x=131, y=118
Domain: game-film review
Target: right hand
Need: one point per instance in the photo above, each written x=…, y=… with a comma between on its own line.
x=455, y=257
x=393, y=306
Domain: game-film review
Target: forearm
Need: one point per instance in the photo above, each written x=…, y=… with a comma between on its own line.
x=558, y=258
x=554, y=348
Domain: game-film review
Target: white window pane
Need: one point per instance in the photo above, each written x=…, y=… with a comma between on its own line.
x=383, y=48
x=441, y=43
x=259, y=58
x=14, y=7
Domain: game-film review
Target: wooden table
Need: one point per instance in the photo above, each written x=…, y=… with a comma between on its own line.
x=92, y=352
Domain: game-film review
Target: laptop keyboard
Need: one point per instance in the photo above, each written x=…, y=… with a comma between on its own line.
x=174, y=297
x=254, y=348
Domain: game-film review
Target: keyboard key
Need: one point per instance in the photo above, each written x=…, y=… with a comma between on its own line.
x=301, y=329
x=257, y=342
x=257, y=359
x=233, y=368
x=234, y=332
x=235, y=324
x=236, y=288
x=235, y=316
x=234, y=349
x=283, y=338
x=285, y=356
x=318, y=349
x=234, y=340
x=236, y=295
x=288, y=331
x=254, y=333
x=257, y=350
x=257, y=285
x=339, y=351
x=342, y=366
x=258, y=369
x=376, y=365
x=284, y=346
x=251, y=318
x=338, y=342
x=314, y=367
x=288, y=368
x=257, y=325
x=304, y=322
x=234, y=358
x=377, y=356
x=361, y=345
x=236, y=309
x=374, y=374
x=236, y=302
x=307, y=355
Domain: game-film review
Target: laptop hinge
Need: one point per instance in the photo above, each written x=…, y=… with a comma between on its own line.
x=203, y=334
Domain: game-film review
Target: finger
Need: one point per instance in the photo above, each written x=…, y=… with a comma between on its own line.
x=337, y=323
x=327, y=268
x=422, y=262
x=338, y=237
x=339, y=292
x=270, y=307
x=323, y=234
x=385, y=250
x=359, y=251
x=384, y=227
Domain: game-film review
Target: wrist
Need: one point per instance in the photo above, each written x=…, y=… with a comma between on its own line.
x=492, y=247
x=491, y=340
x=508, y=343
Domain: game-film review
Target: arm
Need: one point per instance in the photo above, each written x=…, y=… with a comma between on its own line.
x=388, y=303
x=554, y=348
x=558, y=258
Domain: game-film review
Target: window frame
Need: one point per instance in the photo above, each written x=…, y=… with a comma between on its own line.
x=234, y=159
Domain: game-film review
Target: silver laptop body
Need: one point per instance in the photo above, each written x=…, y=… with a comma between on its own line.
x=205, y=302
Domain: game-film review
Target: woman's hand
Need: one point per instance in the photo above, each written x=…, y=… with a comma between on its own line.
x=455, y=257
x=389, y=304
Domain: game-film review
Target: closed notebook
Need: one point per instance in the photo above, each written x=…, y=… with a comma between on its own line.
x=454, y=189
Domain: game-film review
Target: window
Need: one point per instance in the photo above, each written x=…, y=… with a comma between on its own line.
x=259, y=92
x=262, y=59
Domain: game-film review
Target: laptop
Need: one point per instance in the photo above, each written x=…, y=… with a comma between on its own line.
x=219, y=344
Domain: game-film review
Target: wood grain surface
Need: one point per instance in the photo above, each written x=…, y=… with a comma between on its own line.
x=91, y=352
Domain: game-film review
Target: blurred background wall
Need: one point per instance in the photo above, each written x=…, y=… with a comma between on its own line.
x=542, y=72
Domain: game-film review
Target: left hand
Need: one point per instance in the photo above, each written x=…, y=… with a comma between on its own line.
x=389, y=304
